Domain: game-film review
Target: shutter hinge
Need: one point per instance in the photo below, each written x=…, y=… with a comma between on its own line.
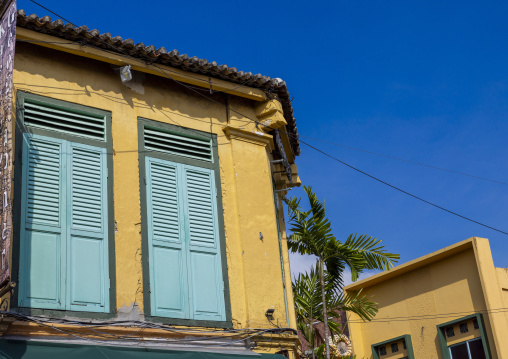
x=149, y=288
x=109, y=287
x=144, y=180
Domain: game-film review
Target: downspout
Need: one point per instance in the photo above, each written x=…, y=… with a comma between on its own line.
x=276, y=203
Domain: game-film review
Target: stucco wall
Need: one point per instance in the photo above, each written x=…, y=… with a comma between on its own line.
x=254, y=268
x=430, y=295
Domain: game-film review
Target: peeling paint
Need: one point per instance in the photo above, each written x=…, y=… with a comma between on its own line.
x=130, y=312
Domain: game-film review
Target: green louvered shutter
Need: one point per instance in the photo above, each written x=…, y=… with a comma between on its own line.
x=168, y=267
x=206, y=288
x=43, y=225
x=88, y=274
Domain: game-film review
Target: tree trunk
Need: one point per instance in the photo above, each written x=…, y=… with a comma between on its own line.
x=325, y=310
x=312, y=338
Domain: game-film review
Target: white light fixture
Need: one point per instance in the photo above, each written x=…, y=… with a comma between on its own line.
x=125, y=73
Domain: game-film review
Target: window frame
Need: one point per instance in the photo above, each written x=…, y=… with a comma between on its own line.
x=406, y=337
x=441, y=333
x=467, y=345
x=212, y=165
x=20, y=130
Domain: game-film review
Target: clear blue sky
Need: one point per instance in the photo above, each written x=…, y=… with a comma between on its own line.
x=425, y=81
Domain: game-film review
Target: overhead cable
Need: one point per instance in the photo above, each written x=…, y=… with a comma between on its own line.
x=408, y=161
x=289, y=134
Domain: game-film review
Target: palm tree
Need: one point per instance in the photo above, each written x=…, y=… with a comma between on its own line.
x=312, y=235
x=309, y=308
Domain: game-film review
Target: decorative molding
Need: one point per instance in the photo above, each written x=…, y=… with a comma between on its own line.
x=256, y=137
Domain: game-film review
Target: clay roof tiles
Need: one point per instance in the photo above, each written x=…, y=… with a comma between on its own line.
x=172, y=58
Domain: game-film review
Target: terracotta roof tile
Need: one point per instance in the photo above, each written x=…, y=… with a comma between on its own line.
x=106, y=41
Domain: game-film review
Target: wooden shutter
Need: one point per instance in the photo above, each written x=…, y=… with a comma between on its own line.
x=206, y=288
x=88, y=274
x=43, y=224
x=64, y=251
x=168, y=267
x=185, y=264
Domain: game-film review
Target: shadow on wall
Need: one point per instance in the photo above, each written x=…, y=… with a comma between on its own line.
x=147, y=91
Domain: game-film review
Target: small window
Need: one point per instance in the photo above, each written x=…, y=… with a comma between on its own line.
x=475, y=324
x=449, y=332
x=463, y=328
x=395, y=348
x=382, y=350
x=471, y=349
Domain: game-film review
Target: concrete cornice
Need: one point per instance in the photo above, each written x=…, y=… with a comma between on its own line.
x=257, y=137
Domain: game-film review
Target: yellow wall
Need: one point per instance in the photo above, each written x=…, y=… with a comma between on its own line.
x=431, y=290
x=254, y=267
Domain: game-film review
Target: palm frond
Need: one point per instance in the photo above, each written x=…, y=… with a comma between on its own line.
x=358, y=303
x=375, y=255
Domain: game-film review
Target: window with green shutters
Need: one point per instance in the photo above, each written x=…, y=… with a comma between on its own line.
x=63, y=215
x=186, y=272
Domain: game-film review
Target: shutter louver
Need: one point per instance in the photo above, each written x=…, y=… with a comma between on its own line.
x=64, y=120
x=205, y=270
x=200, y=208
x=43, y=192
x=87, y=196
x=177, y=144
x=166, y=241
x=88, y=269
x=43, y=224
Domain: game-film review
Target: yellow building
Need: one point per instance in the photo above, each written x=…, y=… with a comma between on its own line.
x=450, y=304
x=146, y=204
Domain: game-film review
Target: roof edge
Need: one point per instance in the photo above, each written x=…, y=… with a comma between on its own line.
x=415, y=264
x=273, y=87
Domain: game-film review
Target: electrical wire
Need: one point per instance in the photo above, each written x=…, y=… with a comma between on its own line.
x=401, y=190
x=46, y=42
x=502, y=310
x=137, y=323
x=149, y=61
x=404, y=160
x=250, y=332
x=291, y=135
x=429, y=316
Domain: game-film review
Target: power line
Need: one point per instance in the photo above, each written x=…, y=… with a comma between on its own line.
x=290, y=135
x=408, y=161
x=149, y=62
x=108, y=337
x=428, y=316
x=401, y=190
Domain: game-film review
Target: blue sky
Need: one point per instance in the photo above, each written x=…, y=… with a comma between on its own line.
x=424, y=81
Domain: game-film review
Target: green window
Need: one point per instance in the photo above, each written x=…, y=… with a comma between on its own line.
x=63, y=217
x=464, y=338
x=181, y=222
x=395, y=348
